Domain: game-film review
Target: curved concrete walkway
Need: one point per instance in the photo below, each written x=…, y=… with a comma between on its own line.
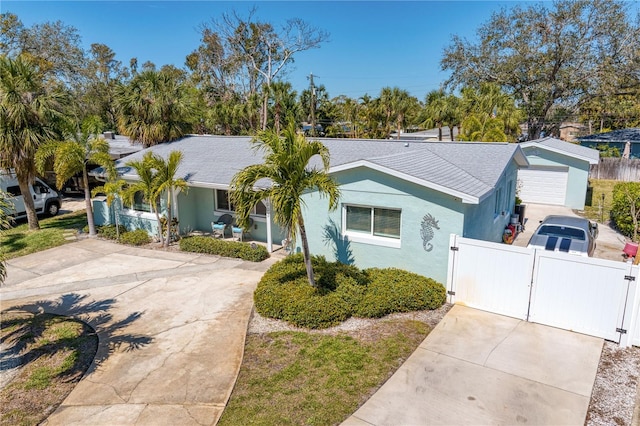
x=171, y=328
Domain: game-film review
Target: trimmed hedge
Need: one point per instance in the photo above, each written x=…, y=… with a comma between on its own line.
x=139, y=237
x=395, y=290
x=236, y=249
x=107, y=231
x=342, y=291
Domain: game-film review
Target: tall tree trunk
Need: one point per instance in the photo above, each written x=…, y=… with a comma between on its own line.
x=167, y=240
x=265, y=101
x=87, y=203
x=29, y=207
x=305, y=251
x=155, y=210
x=440, y=132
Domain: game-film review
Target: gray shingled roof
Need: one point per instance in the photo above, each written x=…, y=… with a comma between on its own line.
x=472, y=169
x=568, y=148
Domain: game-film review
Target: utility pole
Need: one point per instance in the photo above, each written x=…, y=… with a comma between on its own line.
x=313, y=104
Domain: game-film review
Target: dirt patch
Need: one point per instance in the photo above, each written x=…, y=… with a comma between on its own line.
x=45, y=356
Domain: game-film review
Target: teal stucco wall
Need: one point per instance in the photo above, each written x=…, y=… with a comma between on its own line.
x=366, y=187
x=578, y=178
x=487, y=220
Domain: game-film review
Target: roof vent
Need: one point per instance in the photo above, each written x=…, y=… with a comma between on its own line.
x=406, y=144
x=109, y=135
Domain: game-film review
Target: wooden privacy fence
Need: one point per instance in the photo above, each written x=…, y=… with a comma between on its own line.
x=591, y=296
x=622, y=169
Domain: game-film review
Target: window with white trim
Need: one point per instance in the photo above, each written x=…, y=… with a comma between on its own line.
x=139, y=203
x=497, y=209
x=223, y=203
x=373, y=221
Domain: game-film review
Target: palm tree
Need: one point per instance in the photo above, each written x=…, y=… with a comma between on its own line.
x=29, y=116
x=435, y=110
x=165, y=181
x=113, y=188
x=286, y=166
x=155, y=107
x=145, y=185
x=73, y=156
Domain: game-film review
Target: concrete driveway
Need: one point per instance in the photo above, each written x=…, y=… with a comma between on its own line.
x=609, y=243
x=171, y=328
x=481, y=368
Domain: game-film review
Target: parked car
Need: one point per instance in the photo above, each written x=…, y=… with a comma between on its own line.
x=569, y=234
x=46, y=200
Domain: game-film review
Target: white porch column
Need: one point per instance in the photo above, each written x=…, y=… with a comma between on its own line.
x=267, y=203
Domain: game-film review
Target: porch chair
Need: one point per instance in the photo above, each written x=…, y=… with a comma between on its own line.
x=219, y=227
x=240, y=233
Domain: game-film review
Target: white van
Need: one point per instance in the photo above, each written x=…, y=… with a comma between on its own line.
x=46, y=200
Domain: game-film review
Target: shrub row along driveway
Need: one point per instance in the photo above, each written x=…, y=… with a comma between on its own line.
x=171, y=327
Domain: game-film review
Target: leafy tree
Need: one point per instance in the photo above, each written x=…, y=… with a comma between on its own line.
x=53, y=46
x=395, y=105
x=257, y=52
x=608, y=151
x=29, y=116
x=73, y=155
x=437, y=111
x=625, y=209
x=549, y=56
x=155, y=107
x=286, y=165
x=103, y=74
x=282, y=102
x=165, y=181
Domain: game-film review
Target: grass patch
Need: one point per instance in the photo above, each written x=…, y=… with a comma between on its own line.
x=19, y=241
x=299, y=378
x=594, y=211
x=55, y=352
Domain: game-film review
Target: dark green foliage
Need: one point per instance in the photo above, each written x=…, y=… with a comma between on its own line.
x=107, y=231
x=342, y=291
x=208, y=245
x=394, y=290
x=625, y=209
x=139, y=237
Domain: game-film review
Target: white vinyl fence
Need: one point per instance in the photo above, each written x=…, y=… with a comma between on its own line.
x=586, y=295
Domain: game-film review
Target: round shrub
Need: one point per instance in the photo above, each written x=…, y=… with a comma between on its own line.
x=395, y=290
x=235, y=249
x=139, y=237
x=108, y=231
x=285, y=293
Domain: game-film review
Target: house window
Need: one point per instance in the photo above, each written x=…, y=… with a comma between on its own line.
x=223, y=203
x=373, y=221
x=498, y=205
x=139, y=203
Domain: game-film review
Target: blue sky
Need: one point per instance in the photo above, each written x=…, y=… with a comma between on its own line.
x=372, y=44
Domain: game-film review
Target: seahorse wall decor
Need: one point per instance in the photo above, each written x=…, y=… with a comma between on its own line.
x=426, y=231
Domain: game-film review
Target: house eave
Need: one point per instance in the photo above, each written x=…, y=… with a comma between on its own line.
x=465, y=198
x=558, y=151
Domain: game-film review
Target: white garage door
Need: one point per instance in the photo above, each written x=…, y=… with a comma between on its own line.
x=543, y=185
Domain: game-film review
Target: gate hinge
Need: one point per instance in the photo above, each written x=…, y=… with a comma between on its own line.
x=454, y=248
x=451, y=293
x=629, y=277
x=621, y=331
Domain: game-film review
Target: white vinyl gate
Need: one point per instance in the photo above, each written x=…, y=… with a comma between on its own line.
x=586, y=295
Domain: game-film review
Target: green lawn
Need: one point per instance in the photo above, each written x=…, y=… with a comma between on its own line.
x=299, y=378
x=598, y=210
x=19, y=241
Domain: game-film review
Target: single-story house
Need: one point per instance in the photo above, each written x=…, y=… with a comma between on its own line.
x=400, y=201
x=616, y=139
x=558, y=172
